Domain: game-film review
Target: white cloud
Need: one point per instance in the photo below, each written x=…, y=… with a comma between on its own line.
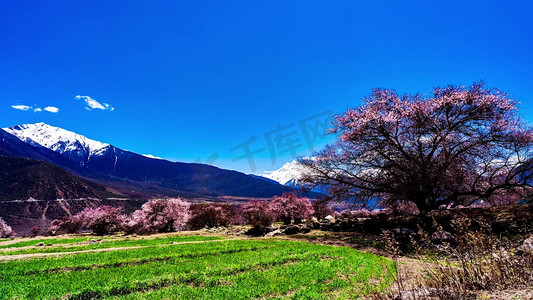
x=51, y=109
x=93, y=104
x=21, y=107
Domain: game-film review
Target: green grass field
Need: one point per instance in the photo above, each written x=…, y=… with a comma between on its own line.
x=77, y=244
x=199, y=268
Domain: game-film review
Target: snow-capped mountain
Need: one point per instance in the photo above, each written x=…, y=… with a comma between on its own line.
x=289, y=174
x=130, y=173
x=65, y=142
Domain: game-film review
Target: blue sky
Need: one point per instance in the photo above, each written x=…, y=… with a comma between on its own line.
x=191, y=80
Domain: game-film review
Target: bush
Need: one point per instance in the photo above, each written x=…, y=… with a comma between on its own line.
x=258, y=213
x=35, y=230
x=480, y=262
x=211, y=215
x=460, y=266
x=159, y=215
x=101, y=220
x=71, y=224
x=290, y=207
x=5, y=230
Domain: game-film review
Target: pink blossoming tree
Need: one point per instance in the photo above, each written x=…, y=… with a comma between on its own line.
x=258, y=213
x=5, y=230
x=211, y=215
x=70, y=224
x=101, y=220
x=290, y=207
x=159, y=215
x=457, y=146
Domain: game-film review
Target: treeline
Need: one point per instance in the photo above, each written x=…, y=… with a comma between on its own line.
x=175, y=214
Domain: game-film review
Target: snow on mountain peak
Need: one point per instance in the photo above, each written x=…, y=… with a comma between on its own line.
x=289, y=174
x=151, y=156
x=56, y=139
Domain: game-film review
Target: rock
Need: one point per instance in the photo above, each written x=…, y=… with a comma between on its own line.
x=40, y=244
x=403, y=234
x=295, y=229
x=273, y=233
x=439, y=237
x=527, y=247
x=314, y=220
x=260, y=230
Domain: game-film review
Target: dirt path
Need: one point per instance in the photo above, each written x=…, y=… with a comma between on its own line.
x=57, y=254
x=18, y=240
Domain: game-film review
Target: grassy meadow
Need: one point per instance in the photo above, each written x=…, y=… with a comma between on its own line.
x=189, y=267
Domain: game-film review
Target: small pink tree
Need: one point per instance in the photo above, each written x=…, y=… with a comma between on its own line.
x=5, y=230
x=102, y=220
x=290, y=207
x=70, y=224
x=211, y=215
x=159, y=215
x=258, y=213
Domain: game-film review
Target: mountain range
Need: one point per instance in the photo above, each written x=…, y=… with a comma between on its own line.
x=124, y=173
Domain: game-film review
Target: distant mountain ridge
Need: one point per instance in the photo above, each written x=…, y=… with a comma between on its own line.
x=131, y=173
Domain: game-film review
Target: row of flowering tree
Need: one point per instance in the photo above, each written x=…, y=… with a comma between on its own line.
x=168, y=215
x=155, y=216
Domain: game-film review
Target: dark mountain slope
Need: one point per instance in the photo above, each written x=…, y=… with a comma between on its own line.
x=22, y=178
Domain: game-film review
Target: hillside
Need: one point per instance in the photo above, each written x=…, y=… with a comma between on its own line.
x=23, y=178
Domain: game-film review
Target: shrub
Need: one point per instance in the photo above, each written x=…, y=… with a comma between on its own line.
x=475, y=261
x=480, y=262
x=53, y=228
x=5, y=230
x=35, y=230
x=211, y=215
x=102, y=220
x=159, y=215
x=258, y=213
x=70, y=224
x=290, y=207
